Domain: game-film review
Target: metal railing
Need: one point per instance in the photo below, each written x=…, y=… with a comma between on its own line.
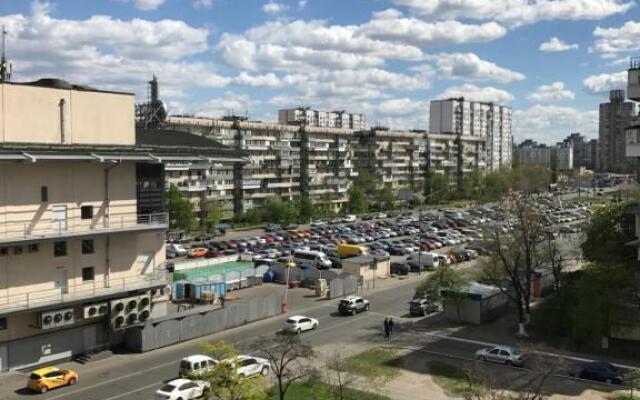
x=45, y=298
x=43, y=229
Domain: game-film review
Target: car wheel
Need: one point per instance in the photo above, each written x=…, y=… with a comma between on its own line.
x=353, y=312
x=72, y=382
x=366, y=308
x=508, y=363
x=298, y=331
x=482, y=358
x=608, y=381
x=44, y=389
x=265, y=371
x=315, y=326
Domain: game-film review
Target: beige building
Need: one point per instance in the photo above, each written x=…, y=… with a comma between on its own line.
x=82, y=220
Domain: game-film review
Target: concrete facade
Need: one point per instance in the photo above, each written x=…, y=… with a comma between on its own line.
x=322, y=119
x=615, y=117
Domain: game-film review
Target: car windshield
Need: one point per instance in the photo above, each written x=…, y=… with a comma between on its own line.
x=345, y=302
x=167, y=388
x=292, y=321
x=35, y=376
x=185, y=364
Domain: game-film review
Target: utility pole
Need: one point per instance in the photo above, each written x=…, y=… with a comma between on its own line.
x=5, y=68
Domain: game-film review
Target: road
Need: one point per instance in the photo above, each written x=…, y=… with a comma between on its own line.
x=137, y=376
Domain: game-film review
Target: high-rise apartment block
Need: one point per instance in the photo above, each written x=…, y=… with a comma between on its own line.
x=476, y=119
x=585, y=152
x=615, y=117
x=532, y=153
x=322, y=119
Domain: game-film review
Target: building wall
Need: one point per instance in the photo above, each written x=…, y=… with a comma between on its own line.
x=90, y=117
x=615, y=116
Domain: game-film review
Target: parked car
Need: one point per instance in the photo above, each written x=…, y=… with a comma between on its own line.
x=501, y=354
x=299, y=323
x=196, y=365
x=197, y=252
x=423, y=305
x=349, y=218
x=44, y=379
x=248, y=366
x=352, y=305
x=181, y=389
x=600, y=371
x=177, y=248
x=336, y=262
x=399, y=268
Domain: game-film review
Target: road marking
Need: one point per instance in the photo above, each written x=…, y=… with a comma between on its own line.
x=133, y=391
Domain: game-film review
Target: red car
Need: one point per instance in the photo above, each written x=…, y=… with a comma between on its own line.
x=268, y=238
x=231, y=244
x=214, y=253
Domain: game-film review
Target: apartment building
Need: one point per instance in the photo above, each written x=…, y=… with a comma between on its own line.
x=322, y=119
x=282, y=160
x=532, y=153
x=615, y=117
x=476, y=119
x=564, y=157
x=82, y=221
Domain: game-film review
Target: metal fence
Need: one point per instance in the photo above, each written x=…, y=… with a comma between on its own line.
x=200, y=322
x=342, y=286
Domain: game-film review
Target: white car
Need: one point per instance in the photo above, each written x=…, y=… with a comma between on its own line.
x=184, y=389
x=299, y=323
x=248, y=366
x=349, y=218
x=177, y=249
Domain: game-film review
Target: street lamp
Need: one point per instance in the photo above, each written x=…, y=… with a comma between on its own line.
x=284, y=307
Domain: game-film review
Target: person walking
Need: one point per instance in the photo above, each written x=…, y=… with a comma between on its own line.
x=387, y=330
x=390, y=324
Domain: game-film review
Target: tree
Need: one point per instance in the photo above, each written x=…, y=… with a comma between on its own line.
x=606, y=236
x=530, y=179
x=338, y=375
x=306, y=210
x=225, y=383
x=496, y=185
x=288, y=357
x=357, y=200
x=445, y=282
x=438, y=188
x=515, y=254
x=386, y=198
x=552, y=255
x=276, y=210
x=473, y=185
x=180, y=210
x=632, y=379
x=254, y=215
x=214, y=215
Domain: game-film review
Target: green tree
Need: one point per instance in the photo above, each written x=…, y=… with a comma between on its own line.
x=438, y=188
x=473, y=185
x=530, y=179
x=276, y=210
x=496, y=185
x=367, y=181
x=254, y=215
x=357, y=200
x=226, y=383
x=606, y=236
x=214, y=215
x=445, y=282
x=386, y=198
x=180, y=210
x=306, y=209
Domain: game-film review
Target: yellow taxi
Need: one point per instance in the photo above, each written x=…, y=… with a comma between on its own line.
x=44, y=379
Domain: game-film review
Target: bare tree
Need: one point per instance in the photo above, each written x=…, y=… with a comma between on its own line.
x=289, y=360
x=338, y=375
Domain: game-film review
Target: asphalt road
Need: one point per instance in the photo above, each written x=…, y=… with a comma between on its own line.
x=138, y=376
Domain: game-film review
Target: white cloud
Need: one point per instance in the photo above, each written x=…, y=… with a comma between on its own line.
x=603, y=83
x=615, y=40
x=554, y=92
x=556, y=45
x=302, y=3
x=475, y=93
x=389, y=25
x=274, y=8
x=197, y=4
x=401, y=107
x=468, y=66
x=266, y=80
x=518, y=12
x=145, y=5
x=550, y=124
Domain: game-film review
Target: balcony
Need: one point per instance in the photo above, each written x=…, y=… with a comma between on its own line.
x=82, y=292
x=251, y=184
x=16, y=231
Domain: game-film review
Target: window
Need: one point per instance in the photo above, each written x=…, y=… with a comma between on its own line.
x=17, y=250
x=59, y=249
x=3, y=323
x=88, y=274
x=87, y=246
x=86, y=212
x=33, y=248
x=44, y=194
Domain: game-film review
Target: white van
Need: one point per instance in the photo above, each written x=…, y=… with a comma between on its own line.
x=311, y=259
x=196, y=365
x=424, y=259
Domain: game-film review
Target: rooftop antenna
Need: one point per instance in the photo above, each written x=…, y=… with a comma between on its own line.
x=5, y=68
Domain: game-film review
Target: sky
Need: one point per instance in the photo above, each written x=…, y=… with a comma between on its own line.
x=552, y=61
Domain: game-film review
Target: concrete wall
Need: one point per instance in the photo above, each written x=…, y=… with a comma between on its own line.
x=70, y=185
x=89, y=117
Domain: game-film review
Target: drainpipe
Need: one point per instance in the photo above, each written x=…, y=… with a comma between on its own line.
x=61, y=105
x=107, y=259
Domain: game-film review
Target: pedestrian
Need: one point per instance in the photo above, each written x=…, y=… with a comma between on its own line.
x=390, y=323
x=387, y=331
x=222, y=301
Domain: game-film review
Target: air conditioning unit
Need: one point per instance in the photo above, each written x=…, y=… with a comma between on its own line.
x=95, y=310
x=56, y=319
x=117, y=313
x=144, y=307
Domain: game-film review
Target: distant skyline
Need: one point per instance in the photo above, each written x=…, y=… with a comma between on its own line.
x=553, y=62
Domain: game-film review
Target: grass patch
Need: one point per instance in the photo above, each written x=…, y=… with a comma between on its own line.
x=316, y=390
x=454, y=381
x=374, y=363
x=623, y=396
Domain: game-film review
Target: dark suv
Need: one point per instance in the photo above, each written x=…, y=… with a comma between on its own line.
x=423, y=305
x=352, y=305
x=399, y=268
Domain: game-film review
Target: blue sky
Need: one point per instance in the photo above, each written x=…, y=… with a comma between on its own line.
x=553, y=61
